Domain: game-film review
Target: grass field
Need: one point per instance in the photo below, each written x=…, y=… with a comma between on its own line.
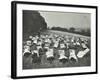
x=85, y=61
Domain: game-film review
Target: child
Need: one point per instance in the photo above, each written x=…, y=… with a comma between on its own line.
x=56, y=43
x=50, y=55
x=40, y=49
x=28, y=42
x=83, y=52
x=35, y=57
x=46, y=46
x=62, y=46
x=27, y=51
x=30, y=37
x=72, y=56
x=62, y=57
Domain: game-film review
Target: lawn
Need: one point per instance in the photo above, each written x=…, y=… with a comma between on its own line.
x=85, y=61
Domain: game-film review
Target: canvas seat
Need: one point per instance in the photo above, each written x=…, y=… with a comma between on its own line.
x=72, y=55
x=26, y=51
x=35, y=41
x=81, y=54
x=35, y=57
x=50, y=55
x=29, y=42
x=30, y=37
x=56, y=44
x=62, y=45
x=62, y=58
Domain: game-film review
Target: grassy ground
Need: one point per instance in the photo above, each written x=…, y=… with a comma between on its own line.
x=85, y=61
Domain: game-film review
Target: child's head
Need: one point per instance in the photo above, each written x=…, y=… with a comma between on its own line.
x=30, y=37
x=29, y=42
x=84, y=45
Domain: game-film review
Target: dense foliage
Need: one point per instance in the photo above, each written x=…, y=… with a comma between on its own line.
x=33, y=22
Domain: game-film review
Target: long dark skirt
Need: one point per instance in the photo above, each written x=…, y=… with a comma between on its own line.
x=27, y=54
x=64, y=60
x=73, y=59
x=36, y=59
x=50, y=59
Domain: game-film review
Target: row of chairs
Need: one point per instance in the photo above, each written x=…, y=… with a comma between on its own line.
x=47, y=44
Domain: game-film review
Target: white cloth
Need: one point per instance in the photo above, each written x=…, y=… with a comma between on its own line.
x=46, y=47
x=39, y=43
x=49, y=53
x=62, y=57
x=26, y=49
x=47, y=44
x=35, y=41
x=77, y=43
x=82, y=53
x=61, y=52
x=33, y=38
x=39, y=47
x=35, y=51
x=72, y=54
x=67, y=45
x=46, y=40
x=56, y=44
x=84, y=45
x=28, y=43
x=30, y=37
x=62, y=45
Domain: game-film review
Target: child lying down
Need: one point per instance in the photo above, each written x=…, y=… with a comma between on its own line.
x=83, y=52
x=35, y=57
x=62, y=57
x=72, y=55
x=27, y=51
x=50, y=55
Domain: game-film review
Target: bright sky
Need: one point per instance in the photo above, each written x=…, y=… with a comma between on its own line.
x=67, y=20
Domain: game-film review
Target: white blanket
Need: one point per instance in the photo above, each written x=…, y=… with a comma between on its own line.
x=72, y=54
x=82, y=53
x=49, y=53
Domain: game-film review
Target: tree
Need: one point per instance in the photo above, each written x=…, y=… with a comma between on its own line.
x=72, y=29
x=33, y=22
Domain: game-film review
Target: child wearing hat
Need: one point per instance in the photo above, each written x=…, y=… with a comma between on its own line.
x=72, y=55
x=50, y=55
x=35, y=56
x=84, y=50
x=27, y=49
x=62, y=58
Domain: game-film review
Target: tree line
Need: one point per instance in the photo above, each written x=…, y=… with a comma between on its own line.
x=85, y=32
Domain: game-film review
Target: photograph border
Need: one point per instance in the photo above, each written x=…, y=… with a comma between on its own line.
x=14, y=38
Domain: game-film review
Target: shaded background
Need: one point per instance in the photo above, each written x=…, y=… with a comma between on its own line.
x=36, y=21
x=32, y=23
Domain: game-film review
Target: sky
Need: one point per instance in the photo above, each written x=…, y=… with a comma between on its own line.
x=67, y=19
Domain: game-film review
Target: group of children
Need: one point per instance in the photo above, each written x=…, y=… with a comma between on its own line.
x=55, y=46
